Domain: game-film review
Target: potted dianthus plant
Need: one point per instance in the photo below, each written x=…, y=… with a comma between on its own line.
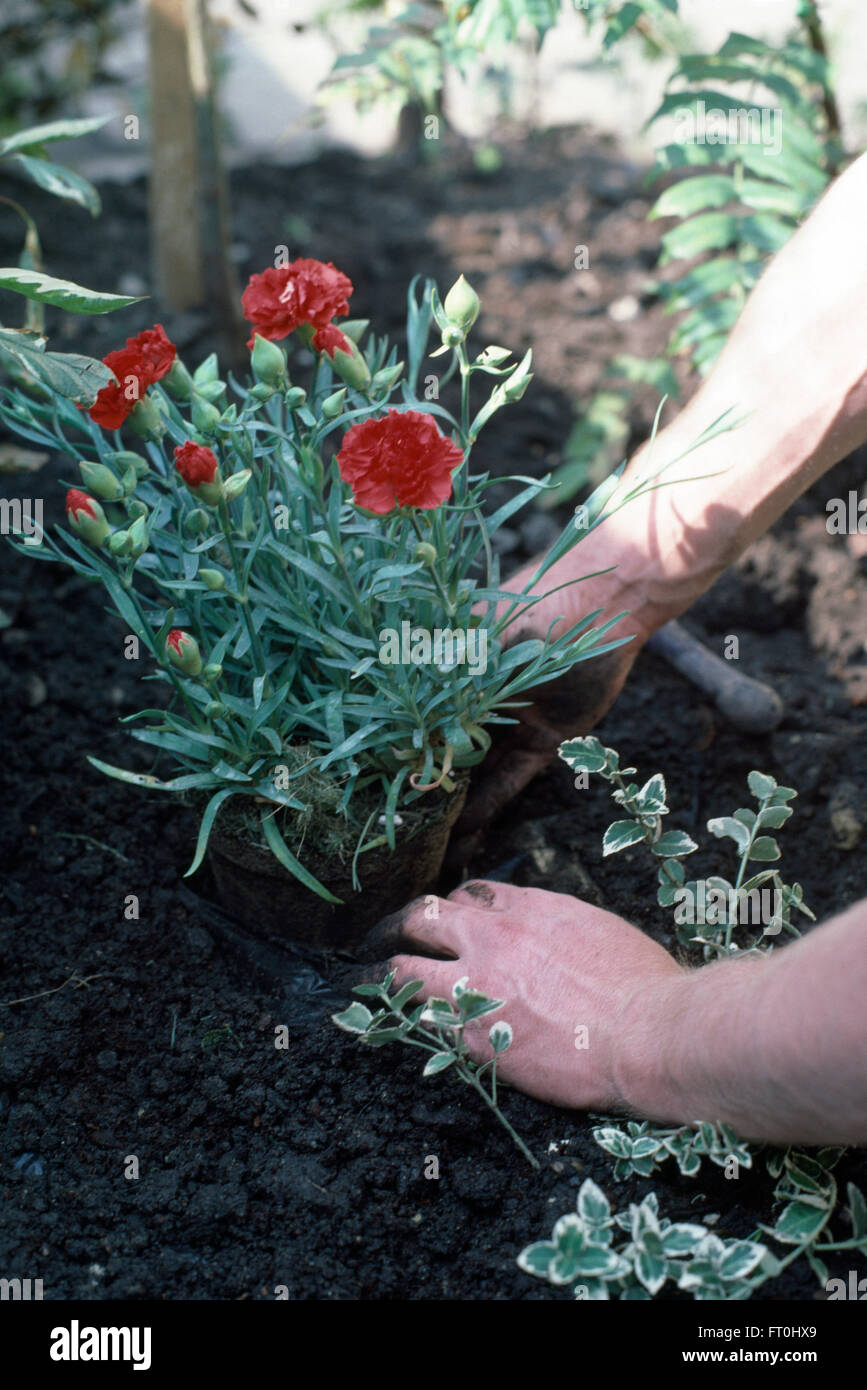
x=308, y=570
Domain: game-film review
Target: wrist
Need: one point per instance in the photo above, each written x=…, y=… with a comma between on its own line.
x=691, y=1044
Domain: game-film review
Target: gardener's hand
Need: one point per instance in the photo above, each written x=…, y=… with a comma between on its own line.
x=581, y=985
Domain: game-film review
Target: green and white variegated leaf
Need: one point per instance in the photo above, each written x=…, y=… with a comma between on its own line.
x=732, y=828
x=34, y=136
x=77, y=378
x=761, y=785
x=536, y=1259
x=592, y=1205
x=621, y=834
x=652, y=1270
x=63, y=183
x=583, y=754
x=61, y=293
x=438, y=1062
x=500, y=1037
x=673, y=843
x=740, y=1260
x=356, y=1019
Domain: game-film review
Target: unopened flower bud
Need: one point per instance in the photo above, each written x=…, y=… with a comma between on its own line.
x=178, y=381
x=351, y=366
x=426, y=553
x=122, y=459
x=86, y=517
x=196, y=522
x=268, y=362
x=138, y=534
x=182, y=650
x=100, y=480
x=214, y=709
x=386, y=376
x=147, y=420
x=205, y=417
x=120, y=543
x=136, y=508
x=333, y=404
x=234, y=486
x=214, y=579
x=261, y=393
x=462, y=304
x=295, y=396
x=514, y=386
x=212, y=672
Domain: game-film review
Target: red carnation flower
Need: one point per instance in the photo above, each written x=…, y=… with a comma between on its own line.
x=195, y=463
x=330, y=339
x=156, y=350
x=116, y=400
x=281, y=299
x=137, y=366
x=400, y=460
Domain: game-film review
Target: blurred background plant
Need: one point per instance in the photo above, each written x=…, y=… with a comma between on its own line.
x=54, y=51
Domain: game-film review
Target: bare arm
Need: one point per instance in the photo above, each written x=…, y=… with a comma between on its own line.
x=604, y=1018
x=776, y=1046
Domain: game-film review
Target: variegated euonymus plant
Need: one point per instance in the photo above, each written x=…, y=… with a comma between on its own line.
x=437, y=1027
x=719, y=919
x=633, y=1254
x=291, y=600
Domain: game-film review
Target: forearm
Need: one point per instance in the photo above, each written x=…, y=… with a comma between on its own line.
x=775, y=1046
x=796, y=367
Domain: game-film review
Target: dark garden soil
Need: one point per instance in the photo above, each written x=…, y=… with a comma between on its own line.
x=155, y=1037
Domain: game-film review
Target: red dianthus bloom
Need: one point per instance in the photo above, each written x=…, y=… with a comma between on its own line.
x=195, y=463
x=282, y=298
x=145, y=359
x=401, y=460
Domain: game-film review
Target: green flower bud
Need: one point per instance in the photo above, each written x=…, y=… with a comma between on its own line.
x=514, y=386
x=214, y=579
x=234, y=486
x=146, y=419
x=211, y=390
x=209, y=370
x=351, y=367
x=452, y=337
x=138, y=534
x=426, y=553
x=120, y=543
x=295, y=397
x=462, y=304
x=212, y=672
x=214, y=709
x=262, y=393
x=178, y=381
x=136, y=508
x=268, y=362
x=196, y=522
x=99, y=479
x=386, y=377
x=333, y=404
x=205, y=416
x=129, y=481
x=182, y=650
x=122, y=459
